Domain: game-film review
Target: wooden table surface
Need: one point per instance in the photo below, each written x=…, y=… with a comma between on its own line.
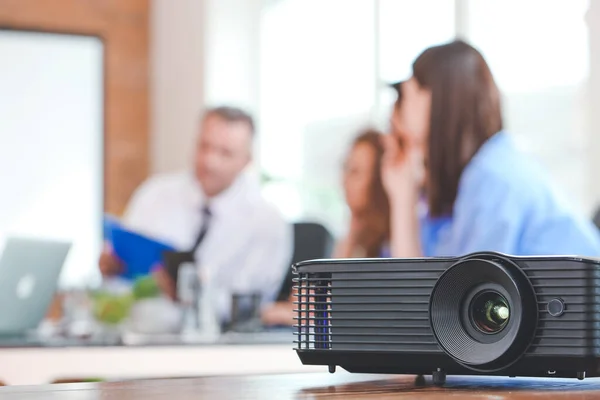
x=341, y=385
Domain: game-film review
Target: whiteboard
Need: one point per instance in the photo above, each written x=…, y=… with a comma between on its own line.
x=51, y=144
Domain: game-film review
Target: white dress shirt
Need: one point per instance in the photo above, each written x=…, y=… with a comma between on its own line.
x=248, y=246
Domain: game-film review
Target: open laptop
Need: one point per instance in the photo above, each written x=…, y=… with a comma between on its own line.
x=29, y=272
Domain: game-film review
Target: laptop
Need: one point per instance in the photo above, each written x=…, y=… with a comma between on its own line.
x=29, y=272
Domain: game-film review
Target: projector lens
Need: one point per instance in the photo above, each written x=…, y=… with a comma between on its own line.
x=490, y=312
x=484, y=312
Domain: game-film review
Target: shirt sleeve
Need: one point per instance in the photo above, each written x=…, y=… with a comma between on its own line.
x=568, y=236
x=556, y=230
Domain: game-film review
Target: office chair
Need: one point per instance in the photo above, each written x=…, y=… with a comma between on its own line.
x=596, y=218
x=311, y=241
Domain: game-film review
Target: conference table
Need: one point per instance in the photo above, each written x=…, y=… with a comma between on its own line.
x=340, y=385
x=34, y=362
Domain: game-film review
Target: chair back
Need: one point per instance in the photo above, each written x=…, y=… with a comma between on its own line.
x=311, y=241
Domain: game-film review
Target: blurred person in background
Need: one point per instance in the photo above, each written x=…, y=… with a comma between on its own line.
x=457, y=182
x=369, y=230
x=215, y=211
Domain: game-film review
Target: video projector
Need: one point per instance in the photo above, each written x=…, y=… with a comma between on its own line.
x=481, y=314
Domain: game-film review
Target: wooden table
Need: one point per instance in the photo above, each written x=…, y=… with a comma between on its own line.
x=314, y=386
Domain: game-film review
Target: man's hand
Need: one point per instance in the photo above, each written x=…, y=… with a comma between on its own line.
x=109, y=264
x=165, y=282
x=278, y=313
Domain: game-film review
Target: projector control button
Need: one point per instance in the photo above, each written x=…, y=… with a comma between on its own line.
x=556, y=307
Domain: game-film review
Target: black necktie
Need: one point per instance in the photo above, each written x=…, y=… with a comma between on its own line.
x=206, y=217
x=174, y=259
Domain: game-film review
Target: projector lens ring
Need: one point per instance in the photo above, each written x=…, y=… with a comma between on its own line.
x=483, y=312
x=489, y=312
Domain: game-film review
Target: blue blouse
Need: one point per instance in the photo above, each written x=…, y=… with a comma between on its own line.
x=505, y=203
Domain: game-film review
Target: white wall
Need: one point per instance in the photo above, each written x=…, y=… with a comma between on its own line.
x=203, y=53
x=177, y=80
x=232, y=52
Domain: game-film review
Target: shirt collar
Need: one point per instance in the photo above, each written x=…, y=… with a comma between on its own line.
x=245, y=188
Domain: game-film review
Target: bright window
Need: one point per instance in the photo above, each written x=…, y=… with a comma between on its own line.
x=51, y=144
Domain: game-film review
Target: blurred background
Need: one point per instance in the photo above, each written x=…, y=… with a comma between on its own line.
x=97, y=95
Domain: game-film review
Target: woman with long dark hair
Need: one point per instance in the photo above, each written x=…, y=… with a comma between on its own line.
x=369, y=230
x=456, y=181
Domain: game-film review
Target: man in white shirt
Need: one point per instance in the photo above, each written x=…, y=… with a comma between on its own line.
x=217, y=213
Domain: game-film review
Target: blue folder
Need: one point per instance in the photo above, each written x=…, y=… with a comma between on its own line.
x=138, y=253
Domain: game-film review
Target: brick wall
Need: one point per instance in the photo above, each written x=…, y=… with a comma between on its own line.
x=124, y=26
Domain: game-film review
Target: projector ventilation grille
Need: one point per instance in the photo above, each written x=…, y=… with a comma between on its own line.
x=313, y=311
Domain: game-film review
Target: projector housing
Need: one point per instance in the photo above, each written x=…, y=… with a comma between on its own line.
x=481, y=314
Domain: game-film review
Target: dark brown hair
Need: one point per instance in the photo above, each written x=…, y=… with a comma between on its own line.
x=465, y=112
x=232, y=114
x=377, y=215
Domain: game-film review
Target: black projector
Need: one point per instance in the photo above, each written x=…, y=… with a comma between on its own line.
x=481, y=314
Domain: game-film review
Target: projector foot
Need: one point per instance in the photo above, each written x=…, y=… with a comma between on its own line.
x=581, y=375
x=420, y=380
x=332, y=369
x=439, y=377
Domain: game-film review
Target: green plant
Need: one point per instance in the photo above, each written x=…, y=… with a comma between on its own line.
x=145, y=287
x=112, y=309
